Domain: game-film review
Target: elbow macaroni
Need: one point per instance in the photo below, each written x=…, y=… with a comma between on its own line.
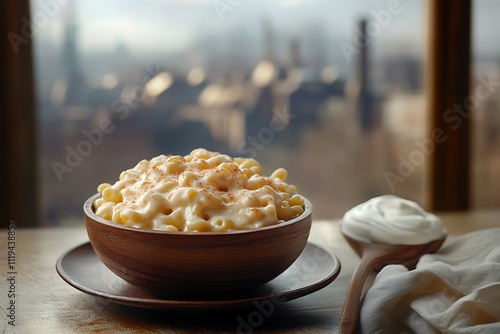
x=203, y=191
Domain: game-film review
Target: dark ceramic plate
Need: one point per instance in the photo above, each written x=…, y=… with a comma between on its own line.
x=81, y=268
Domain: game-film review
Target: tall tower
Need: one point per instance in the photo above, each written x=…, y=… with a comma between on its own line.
x=295, y=59
x=364, y=97
x=76, y=85
x=269, y=40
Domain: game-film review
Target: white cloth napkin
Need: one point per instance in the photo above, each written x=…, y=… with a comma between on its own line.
x=456, y=290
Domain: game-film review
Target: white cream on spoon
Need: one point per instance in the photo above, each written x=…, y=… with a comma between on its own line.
x=385, y=230
x=392, y=220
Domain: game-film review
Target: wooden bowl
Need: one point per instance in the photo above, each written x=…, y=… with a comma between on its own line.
x=197, y=262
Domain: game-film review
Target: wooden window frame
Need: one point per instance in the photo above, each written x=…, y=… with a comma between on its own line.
x=447, y=84
x=18, y=170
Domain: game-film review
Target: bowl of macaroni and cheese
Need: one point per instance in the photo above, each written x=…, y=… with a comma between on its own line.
x=197, y=224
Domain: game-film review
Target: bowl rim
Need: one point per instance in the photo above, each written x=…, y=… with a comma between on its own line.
x=89, y=212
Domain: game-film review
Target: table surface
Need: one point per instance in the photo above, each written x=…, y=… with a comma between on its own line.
x=46, y=304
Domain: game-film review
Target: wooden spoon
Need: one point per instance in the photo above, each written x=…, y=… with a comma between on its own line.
x=376, y=256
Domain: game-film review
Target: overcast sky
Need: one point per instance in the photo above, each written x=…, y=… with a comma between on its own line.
x=172, y=25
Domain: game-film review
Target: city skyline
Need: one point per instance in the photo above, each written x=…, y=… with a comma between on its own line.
x=228, y=53
x=203, y=39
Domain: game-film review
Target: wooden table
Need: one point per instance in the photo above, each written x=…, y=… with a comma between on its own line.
x=46, y=304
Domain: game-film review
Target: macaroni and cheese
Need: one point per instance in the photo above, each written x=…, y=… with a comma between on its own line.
x=203, y=191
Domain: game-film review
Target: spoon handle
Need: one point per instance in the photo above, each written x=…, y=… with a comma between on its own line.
x=350, y=312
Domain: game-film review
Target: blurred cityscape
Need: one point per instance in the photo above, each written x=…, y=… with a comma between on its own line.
x=338, y=124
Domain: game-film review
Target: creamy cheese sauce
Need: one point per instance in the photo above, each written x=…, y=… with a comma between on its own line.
x=203, y=191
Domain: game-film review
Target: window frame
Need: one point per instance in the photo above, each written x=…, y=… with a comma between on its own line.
x=447, y=83
x=18, y=170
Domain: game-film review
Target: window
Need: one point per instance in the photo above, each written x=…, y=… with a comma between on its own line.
x=329, y=90
x=486, y=118
x=121, y=82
